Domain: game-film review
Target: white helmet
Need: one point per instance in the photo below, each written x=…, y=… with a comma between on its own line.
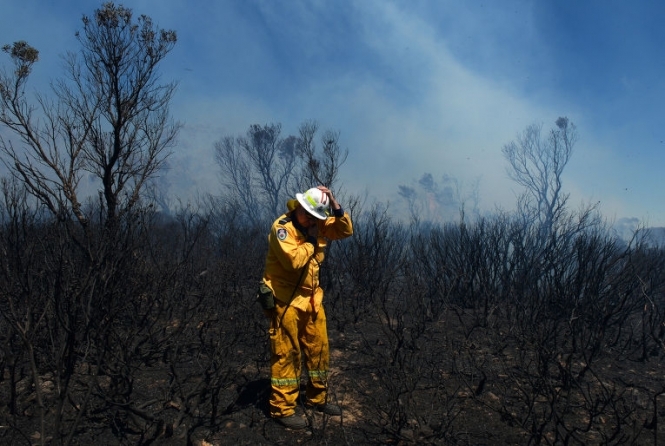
x=315, y=202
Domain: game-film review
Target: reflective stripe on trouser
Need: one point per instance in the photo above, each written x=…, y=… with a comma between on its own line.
x=298, y=332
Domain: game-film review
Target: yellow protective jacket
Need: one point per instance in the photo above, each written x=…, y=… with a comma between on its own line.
x=293, y=263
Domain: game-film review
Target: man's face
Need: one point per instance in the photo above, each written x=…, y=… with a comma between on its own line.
x=305, y=219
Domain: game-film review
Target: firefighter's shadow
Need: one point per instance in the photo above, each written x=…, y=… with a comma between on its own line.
x=252, y=394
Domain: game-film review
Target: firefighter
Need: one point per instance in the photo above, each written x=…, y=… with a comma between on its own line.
x=296, y=247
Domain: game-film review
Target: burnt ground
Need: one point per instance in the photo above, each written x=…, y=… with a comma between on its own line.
x=459, y=391
x=456, y=387
x=450, y=387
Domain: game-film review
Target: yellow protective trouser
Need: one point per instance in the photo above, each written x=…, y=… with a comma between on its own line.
x=293, y=331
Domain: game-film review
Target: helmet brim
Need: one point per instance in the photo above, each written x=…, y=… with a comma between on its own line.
x=308, y=207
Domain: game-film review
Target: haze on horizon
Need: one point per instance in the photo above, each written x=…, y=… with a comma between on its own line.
x=413, y=87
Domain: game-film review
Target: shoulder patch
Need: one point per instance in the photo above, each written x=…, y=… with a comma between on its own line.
x=281, y=234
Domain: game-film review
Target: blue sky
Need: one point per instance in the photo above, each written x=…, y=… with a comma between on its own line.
x=412, y=86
